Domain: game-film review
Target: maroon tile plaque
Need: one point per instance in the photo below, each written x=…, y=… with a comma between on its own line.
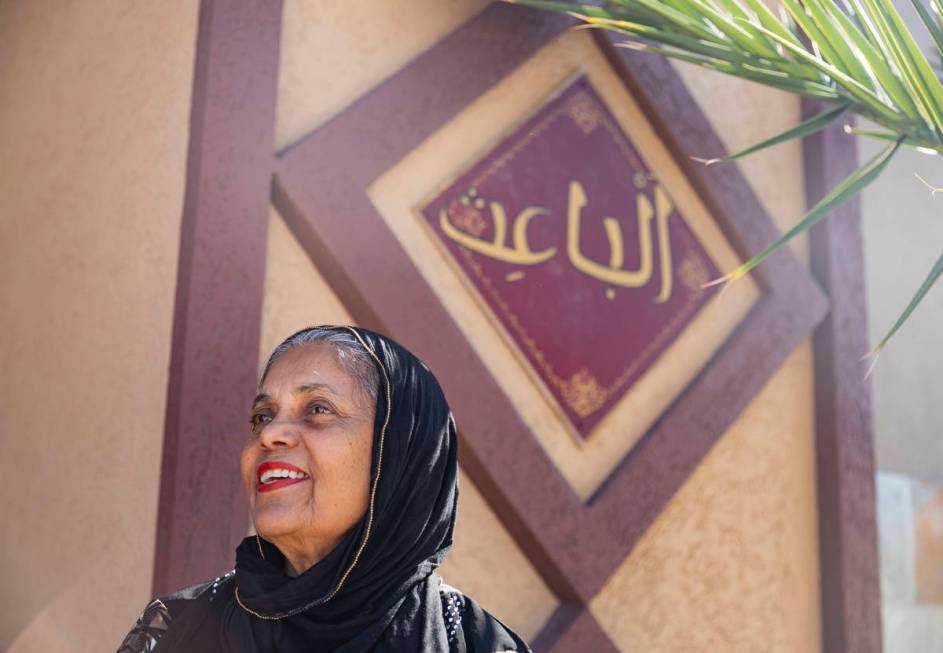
x=577, y=249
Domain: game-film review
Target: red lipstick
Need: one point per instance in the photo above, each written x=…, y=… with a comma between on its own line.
x=274, y=474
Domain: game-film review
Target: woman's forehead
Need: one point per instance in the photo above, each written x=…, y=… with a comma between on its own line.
x=309, y=367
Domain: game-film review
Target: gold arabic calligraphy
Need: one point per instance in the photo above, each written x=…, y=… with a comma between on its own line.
x=519, y=251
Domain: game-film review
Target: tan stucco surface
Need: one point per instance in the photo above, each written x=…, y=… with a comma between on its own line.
x=296, y=295
x=93, y=136
x=332, y=53
x=93, y=139
x=731, y=564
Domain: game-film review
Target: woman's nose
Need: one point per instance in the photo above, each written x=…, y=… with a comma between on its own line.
x=279, y=433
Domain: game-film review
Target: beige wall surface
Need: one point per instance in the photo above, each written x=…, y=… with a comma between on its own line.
x=354, y=45
x=296, y=295
x=93, y=140
x=93, y=137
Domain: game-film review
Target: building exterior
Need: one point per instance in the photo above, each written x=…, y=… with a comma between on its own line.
x=647, y=464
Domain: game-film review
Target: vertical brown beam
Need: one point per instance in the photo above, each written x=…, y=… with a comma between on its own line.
x=220, y=279
x=850, y=575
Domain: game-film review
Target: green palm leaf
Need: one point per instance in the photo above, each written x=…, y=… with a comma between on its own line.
x=932, y=25
x=810, y=126
x=847, y=189
x=931, y=279
x=856, y=54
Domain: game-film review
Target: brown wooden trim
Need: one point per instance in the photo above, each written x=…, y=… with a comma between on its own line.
x=320, y=190
x=572, y=628
x=848, y=550
x=220, y=279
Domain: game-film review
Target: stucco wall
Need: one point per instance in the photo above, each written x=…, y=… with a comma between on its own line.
x=93, y=134
x=93, y=139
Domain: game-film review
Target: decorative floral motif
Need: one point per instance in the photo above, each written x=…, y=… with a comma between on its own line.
x=584, y=112
x=467, y=218
x=583, y=393
x=693, y=272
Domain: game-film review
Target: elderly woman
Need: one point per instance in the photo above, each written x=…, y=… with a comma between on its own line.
x=351, y=476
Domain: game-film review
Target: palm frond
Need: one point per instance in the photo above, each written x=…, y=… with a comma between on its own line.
x=847, y=189
x=857, y=55
x=931, y=279
x=810, y=126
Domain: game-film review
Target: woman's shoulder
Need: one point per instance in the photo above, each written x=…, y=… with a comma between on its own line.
x=471, y=629
x=160, y=613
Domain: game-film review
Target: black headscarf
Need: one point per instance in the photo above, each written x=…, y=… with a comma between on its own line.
x=376, y=590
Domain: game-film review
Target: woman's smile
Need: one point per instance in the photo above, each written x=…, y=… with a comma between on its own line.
x=273, y=474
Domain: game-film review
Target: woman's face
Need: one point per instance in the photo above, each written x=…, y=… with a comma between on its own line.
x=306, y=466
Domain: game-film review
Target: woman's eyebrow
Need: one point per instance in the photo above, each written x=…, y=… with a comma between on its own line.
x=301, y=389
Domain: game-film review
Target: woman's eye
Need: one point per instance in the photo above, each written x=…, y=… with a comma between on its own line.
x=320, y=409
x=259, y=420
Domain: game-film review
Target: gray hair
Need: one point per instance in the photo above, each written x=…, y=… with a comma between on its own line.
x=351, y=354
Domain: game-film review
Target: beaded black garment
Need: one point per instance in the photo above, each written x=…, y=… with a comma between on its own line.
x=156, y=618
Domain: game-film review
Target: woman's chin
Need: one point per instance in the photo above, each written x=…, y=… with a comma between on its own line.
x=275, y=521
